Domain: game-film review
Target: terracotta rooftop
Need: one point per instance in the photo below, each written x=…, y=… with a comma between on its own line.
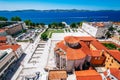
x=98, y=45
x=14, y=47
x=96, y=53
x=3, y=38
x=115, y=54
x=116, y=23
x=2, y=30
x=115, y=72
x=85, y=48
x=71, y=39
x=98, y=24
x=86, y=38
x=73, y=54
x=57, y=74
x=62, y=45
x=87, y=75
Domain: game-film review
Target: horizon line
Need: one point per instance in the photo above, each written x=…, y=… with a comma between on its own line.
x=63, y=9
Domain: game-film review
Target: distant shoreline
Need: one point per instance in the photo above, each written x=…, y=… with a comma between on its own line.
x=68, y=16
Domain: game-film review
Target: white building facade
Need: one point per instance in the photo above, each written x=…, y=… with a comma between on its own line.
x=96, y=29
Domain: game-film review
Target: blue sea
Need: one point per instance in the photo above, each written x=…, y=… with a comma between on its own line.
x=69, y=17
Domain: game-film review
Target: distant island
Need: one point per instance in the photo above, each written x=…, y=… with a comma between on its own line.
x=61, y=15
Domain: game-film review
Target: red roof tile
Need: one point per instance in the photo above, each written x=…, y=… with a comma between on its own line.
x=2, y=30
x=98, y=45
x=115, y=54
x=85, y=48
x=87, y=38
x=115, y=72
x=3, y=38
x=96, y=53
x=62, y=45
x=57, y=75
x=73, y=54
x=88, y=75
x=14, y=47
x=105, y=73
x=108, y=78
x=71, y=39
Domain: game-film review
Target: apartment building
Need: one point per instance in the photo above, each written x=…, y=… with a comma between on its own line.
x=7, y=57
x=9, y=52
x=96, y=29
x=15, y=28
x=16, y=49
x=112, y=56
x=7, y=40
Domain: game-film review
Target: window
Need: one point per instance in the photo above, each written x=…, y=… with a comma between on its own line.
x=95, y=58
x=112, y=78
x=112, y=60
x=110, y=64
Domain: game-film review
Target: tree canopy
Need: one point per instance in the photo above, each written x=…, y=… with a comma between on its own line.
x=16, y=18
x=73, y=25
x=3, y=18
x=56, y=25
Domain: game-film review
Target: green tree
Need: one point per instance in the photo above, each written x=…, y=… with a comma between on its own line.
x=16, y=18
x=44, y=36
x=3, y=18
x=111, y=29
x=61, y=25
x=28, y=22
x=73, y=25
x=42, y=24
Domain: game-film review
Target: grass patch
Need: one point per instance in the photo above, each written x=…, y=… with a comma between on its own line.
x=110, y=45
x=50, y=31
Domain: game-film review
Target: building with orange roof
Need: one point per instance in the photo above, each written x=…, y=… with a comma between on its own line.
x=7, y=40
x=96, y=29
x=112, y=74
x=14, y=28
x=75, y=52
x=7, y=57
x=112, y=59
x=112, y=56
x=3, y=39
x=16, y=49
x=88, y=75
x=57, y=75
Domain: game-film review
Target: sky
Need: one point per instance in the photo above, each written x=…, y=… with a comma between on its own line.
x=60, y=4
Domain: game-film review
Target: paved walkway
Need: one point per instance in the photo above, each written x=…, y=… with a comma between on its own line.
x=25, y=63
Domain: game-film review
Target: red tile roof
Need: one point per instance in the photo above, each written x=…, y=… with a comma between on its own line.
x=3, y=38
x=87, y=75
x=14, y=47
x=108, y=78
x=2, y=30
x=115, y=54
x=98, y=45
x=105, y=73
x=115, y=72
x=87, y=38
x=85, y=48
x=73, y=54
x=62, y=45
x=96, y=53
x=57, y=74
x=71, y=39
